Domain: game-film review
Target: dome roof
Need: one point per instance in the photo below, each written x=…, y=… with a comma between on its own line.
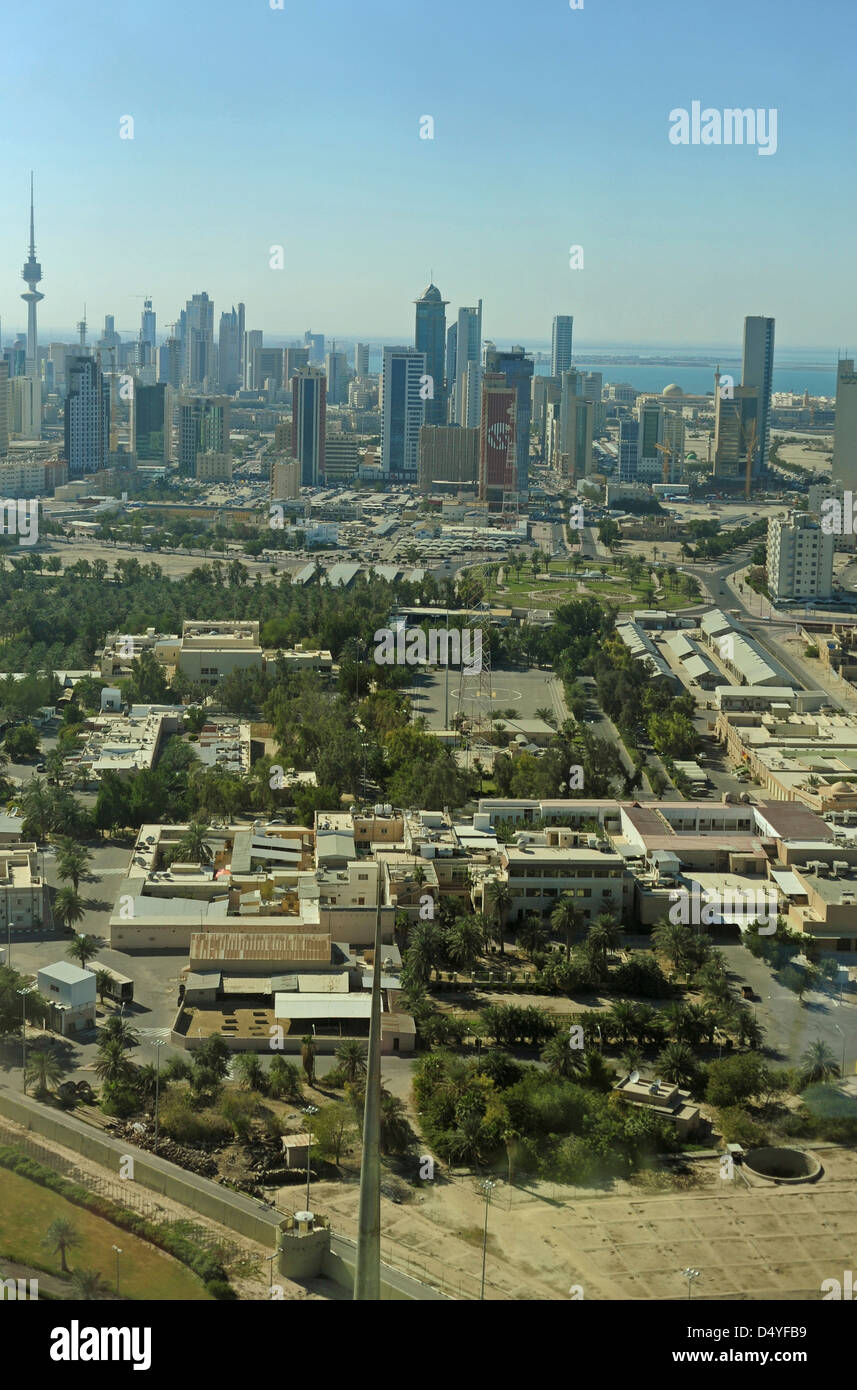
x=672, y=390
x=840, y=789
x=432, y=293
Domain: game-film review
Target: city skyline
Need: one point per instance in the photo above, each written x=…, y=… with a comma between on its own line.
x=714, y=232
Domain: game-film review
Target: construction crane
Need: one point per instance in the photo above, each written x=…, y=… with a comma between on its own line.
x=666, y=450
x=751, y=449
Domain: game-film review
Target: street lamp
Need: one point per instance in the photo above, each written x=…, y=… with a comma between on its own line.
x=487, y=1187
x=690, y=1275
x=28, y=989
x=839, y=1030
x=118, y=1253
x=309, y=1110
x=157, y=1043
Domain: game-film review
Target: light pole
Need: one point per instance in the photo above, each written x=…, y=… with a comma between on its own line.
x=487, y=1187
x=118, y=1253
x=690, y=1275
x=309, y=1110
x=157, y=1045
x=28, y=989
x=839, y=1030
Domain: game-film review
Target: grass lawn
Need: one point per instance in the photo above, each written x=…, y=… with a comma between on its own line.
x=26, y=1212
x=563, y=584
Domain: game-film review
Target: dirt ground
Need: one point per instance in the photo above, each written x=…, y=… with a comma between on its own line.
x=632, y=1242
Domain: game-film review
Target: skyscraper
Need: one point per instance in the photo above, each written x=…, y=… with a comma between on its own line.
x=148, y=333
x=430, y=338
x=337, y=377
x=147, y=422
x=203, y=428
x=758, y=372
x=229, y=353
x=518, y=371
x=199, y=369
x=293, y=360
x=498, y=453
x=32, y=274
x=315, y=343
x=252, y=342
x=468, y=348
x=87, y=417
x=736, y=424
x=402, y=412
x=361, y=359
x=4, y=408
x=309, y=422
x=845, y=429
x=563, y=325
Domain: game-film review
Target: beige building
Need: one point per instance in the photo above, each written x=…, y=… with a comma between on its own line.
x=448, y=453
x=800, y=558
x=22, y=902
x=214, y=468
x=285, y=478
x=208, y=651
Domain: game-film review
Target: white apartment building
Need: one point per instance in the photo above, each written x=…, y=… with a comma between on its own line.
x=800, y=558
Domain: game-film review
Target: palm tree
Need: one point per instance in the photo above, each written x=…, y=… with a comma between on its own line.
x=111, y=1064
x=72, y=861
x=308, y=1058
x=117, y=1029
x=423, y=951
x=43, y=1068
x=510, y=1138
x=351, y=1056
x=532, y=934
x=89, y=1285
x=561, y=1059
x=68, y=907
x=251, y=1073
x=62, y=1235
x=621, y=1020
x=103, y=983
x=603, y=936
x=193, y=847
x=500, y=900
x=463, y=942
x=678, y=1064
x=83, y=948
x=395, y=1132
x=566, y=920
x=818, y=1063
x=672, y=939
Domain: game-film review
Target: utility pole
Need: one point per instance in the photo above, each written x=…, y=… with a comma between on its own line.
x=367, y=1278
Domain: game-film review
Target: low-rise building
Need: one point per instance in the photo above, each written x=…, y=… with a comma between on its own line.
x=70, y=992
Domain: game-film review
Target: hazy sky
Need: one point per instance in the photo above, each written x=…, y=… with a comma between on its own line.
x=255, y=127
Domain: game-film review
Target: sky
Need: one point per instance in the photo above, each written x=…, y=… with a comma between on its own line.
x=299, y=127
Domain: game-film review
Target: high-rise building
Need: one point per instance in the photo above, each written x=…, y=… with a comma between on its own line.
x=518, y=371
x=293, y=360
x=229, y=353
x=148, y=331
x=430, y=338
x=148, y=433
x=341, y=459
x=628, y=448
x=736, y=429
x=87, y=417
x=573, y=446
x=199, y=366
x=498, y=448
x=32, y=274
x=170, y=363
x=266, y=365
x=448, y=454
x=451, y=364
x=468, y=348
x=309, y=423
x=402, y=412
x=203, y=427
x=845, y=426
x=361, y=359
x=252, y=344
x=757, y=372
x=285, y=479
x=4, y=409
x=563, y=325
x=315, y=343
x=337, y=377
x=800, y=558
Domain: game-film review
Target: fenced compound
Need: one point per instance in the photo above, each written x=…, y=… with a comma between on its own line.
x=123, y=1193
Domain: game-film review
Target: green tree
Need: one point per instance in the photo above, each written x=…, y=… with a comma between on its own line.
x=818, y=1063
x=111, y=1065
x=89, y=1285
x=308, y=1058
x=332, y=1130
x=72, y=861
x=82, y=948
x=500, y=901
x=61, y=1236
x=22, y=742
x=566, y=920
x=250, y=1071
x=44, y=1069
x=677, y=1063
x=351, y=1056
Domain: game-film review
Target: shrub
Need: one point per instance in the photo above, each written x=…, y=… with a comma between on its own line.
x=737, y=1127
x=181, y=1122
x=641, y=976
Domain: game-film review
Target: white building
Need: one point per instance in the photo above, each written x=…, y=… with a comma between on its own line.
x=800, y=558
x=71, y=993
